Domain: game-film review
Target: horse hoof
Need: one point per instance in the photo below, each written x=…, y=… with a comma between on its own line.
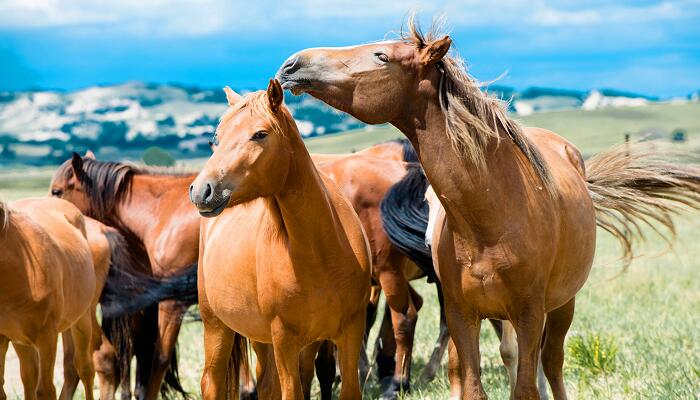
x=246, y=395
x=392, y=388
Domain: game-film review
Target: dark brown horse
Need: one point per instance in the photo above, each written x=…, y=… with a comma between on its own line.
x=147, y=208
x=518, y=235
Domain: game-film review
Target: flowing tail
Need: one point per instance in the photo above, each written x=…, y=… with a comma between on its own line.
x=405, y=214
x=634, y=185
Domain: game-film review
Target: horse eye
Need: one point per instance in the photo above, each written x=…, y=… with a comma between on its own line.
x=259, y=135
x=382, y=57
x=56, y=192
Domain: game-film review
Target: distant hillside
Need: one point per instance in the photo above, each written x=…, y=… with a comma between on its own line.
x=120, y=121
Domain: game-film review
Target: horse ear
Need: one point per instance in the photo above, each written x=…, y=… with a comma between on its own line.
x=231, y=96
x=275, y=94
x=435, y=51
x=89, y=154
x=77, y=164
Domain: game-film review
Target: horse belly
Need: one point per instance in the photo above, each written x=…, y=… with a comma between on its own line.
x=232, y=295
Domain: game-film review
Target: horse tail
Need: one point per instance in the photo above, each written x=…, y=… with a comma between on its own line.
x=634, y=185
x=405, y=218
x=118, y=329
x=128, y=291
x=239, y=355
x=171, y=380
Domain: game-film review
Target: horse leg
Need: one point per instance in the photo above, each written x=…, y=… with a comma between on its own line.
x=104, y=359
x=325, y=368
x=286, y=346
x=28, y=369
x=528, y=327
x=46, y=344
x=385, y=349
x=4, y=343
x=349, y=344
x=558, y=323
x=306, y=367
x=464, y=330
x=144, y=335
x=170, y=314
x=453, y=371
x=509, y=354
x=372, y=309
x=70, y=374
x=431, y=368
x=404, y=317
x=83, y=340
x=266, y=372
x=217, y=382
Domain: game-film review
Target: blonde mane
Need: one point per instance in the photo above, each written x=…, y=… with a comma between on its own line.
x=4, y=216
x=473, y=118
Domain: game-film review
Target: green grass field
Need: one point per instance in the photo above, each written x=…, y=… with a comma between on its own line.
x=635, y=334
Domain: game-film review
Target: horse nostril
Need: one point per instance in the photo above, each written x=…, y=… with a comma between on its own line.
x=208, y=192
x=291, y=65
x=191, y=191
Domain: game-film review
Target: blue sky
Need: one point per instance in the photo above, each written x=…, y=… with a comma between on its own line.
x=646, y=46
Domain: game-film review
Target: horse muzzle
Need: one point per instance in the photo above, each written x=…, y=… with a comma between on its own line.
x=209, y=201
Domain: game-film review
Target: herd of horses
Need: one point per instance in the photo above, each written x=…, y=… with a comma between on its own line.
x=286, y=253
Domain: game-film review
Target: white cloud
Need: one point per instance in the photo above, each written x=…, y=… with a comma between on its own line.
x=195, y=18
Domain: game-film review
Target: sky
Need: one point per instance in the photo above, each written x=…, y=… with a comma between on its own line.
x=645, y=46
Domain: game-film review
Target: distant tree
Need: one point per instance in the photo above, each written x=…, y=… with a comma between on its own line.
x=678, y=135
x=7, y=152
x=157, y=157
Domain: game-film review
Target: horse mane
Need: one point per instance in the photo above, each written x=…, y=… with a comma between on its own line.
x=108, y=183
x=473, y=118
x=4, y=216
x=409, y=153
x=259, y=107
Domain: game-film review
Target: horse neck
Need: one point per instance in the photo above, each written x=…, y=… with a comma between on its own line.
x=304, y=205
x=138, y=213
x=475, y=197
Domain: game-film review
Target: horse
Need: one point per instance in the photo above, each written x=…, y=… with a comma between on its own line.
x=48, y=287
x=146, y=207
x=521, y=207
x=362, y=178
x=301, y=271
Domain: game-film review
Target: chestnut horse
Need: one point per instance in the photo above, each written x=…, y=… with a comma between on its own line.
x=48, y=287
x=518, y=237
x=283, y=259
x=146, y=207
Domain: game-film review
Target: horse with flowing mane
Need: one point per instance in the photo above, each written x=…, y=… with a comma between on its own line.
x=518, y=234
x=283, y=257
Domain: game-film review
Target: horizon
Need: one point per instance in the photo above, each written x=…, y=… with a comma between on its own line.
x=649, y=47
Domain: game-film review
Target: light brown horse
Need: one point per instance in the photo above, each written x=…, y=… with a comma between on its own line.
x=283, y=259
x=109, y=251
x=363, y=179
x=518, y=237
x=48, y=287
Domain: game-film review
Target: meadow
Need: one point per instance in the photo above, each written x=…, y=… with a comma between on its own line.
x=635, y=334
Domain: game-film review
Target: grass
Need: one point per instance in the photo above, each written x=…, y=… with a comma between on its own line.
x=635, y=334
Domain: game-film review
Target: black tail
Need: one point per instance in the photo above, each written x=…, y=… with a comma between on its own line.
x=171, y=380
x=405, y=217
x=128, y=291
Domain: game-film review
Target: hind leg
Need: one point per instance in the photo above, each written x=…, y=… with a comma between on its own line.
x=46, y=345
x=104, y=359
x=70, y=374
x=306, y=367
x=431, y=368
x=454, y=371
x=4, y=343
x=558, y=323
x=325, y=368
x=247, y=383
x=170, y=315
x=82, y=336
